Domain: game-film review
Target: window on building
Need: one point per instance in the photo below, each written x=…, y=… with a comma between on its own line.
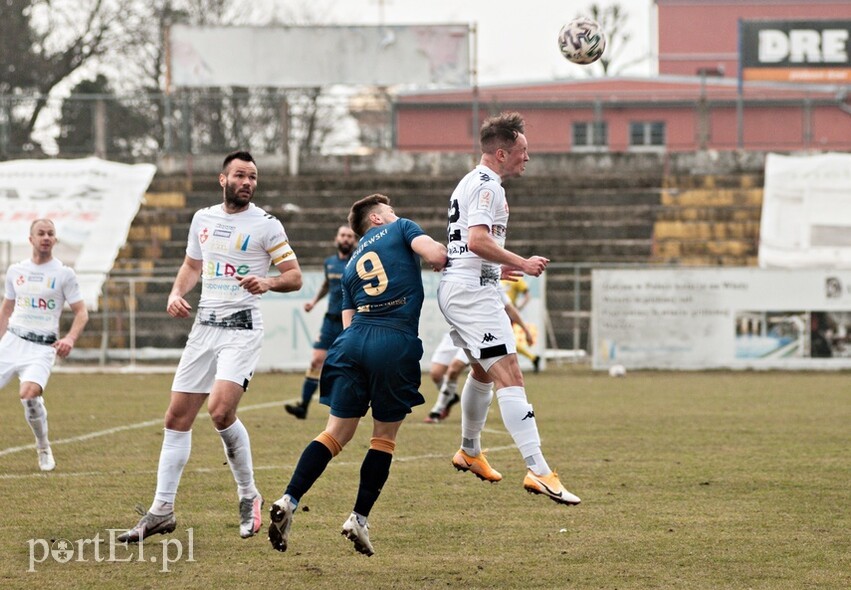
x=590, y=136
x=647, y=135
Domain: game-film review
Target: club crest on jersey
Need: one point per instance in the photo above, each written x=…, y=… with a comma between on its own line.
x=485, y=198
x=20, y=280
x=202, y=237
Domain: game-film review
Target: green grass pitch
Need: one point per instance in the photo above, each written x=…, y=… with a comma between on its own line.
x=688, y=480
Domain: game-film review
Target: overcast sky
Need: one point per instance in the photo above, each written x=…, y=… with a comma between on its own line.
x=517, y=40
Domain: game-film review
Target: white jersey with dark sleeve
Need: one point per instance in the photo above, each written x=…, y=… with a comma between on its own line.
x=479, y=199
x=40, y=291
x=231, y=246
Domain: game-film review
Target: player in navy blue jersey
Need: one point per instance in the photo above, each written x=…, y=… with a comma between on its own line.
x=375, y=362
x=332, y=323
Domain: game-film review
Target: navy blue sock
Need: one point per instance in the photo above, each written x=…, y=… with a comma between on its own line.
x=373, y=474
x=308, y=388
x=314, y=459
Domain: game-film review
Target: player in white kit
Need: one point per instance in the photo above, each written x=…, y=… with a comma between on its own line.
x=469, y=295
x=230, y=248
x=447, y=362
x=36, y=291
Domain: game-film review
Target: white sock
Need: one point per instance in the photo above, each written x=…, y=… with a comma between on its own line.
x=238, y=452
x=475, y=400
x=173, y=457
x=435, y=409
x=447, y=392
x=519, y=419
x=36, y=416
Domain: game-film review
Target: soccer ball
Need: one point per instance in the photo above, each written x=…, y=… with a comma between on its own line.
x=582, y=41
x=617, y=371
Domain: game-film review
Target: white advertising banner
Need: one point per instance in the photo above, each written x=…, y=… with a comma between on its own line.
x=806, y=212
x=307, y=56
x=289, y=331
x=92, y=203
x=721, y=318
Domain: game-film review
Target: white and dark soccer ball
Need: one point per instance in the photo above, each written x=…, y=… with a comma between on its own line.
x=582, y=41
x=617, y=371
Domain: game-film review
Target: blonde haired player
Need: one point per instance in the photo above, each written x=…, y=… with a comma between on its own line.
x=448, y=360
x=36, y=291
x=469, y=297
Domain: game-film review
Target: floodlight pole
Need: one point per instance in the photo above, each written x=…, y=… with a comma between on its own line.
x=740, y=104
x=167, y=146
x=474, y=80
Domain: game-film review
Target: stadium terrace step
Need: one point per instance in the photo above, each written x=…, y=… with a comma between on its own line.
x=713, y=214
x=702, y=230
x=671, y=250
x=712, y=197
x=165, y=200
x=153, y=249
x=281, y=201
x=713, y=181
x=598, y=250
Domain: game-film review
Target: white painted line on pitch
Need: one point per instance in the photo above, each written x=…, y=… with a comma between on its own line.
x=223, y=469
x=138, y=425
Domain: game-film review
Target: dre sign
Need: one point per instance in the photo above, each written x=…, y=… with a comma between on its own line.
x=797, y=51
x=803, y=46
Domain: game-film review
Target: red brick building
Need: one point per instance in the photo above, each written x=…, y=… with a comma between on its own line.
x=696, y=102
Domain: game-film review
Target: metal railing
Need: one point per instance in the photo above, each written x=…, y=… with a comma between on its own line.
x=5, y=255
x=126, y=333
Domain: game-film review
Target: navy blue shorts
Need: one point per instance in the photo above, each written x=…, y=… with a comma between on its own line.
x=331, y=328
x=372, y=366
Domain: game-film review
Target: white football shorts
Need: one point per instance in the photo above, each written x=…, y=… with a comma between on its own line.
x=214, y=353
x=32, y=362
x=478, y=319
x=447, y=351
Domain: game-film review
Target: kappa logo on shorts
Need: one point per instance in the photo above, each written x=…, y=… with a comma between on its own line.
x=488, y=338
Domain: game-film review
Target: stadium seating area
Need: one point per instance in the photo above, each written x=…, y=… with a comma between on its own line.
x=649, y=218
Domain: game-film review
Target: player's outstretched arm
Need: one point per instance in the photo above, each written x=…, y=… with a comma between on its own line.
x=483, y=245
x=434, y=253
x=186, y=279
x=323, y=291
x=6, y=310
x=348, y=316
x=289, y=280
x=65, y=345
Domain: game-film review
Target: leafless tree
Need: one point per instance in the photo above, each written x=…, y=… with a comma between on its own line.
x=44, y=42
x=613, y=18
